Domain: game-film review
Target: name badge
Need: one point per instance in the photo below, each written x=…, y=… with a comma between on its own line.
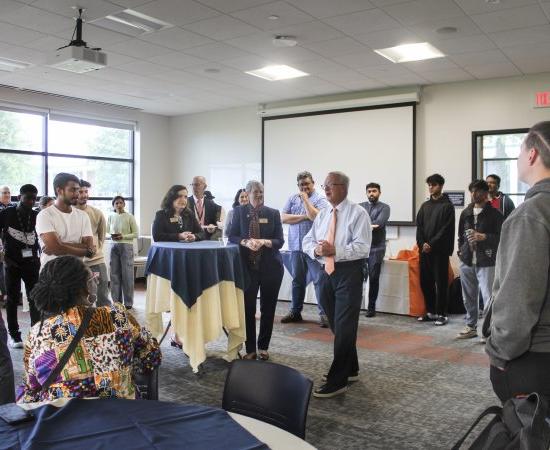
x=173, y=219
x=26, y=253
x=263, y=220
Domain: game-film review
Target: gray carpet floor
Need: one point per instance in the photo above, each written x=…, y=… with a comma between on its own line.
x=419, y=387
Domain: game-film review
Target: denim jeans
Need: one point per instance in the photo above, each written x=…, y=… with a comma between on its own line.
x=102, y=291
x=301, y=264
x=474, y=279
x=7, y=389
x=122, y=273
x=371, y=271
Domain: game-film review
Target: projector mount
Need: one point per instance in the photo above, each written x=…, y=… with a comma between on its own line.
x=78, y=42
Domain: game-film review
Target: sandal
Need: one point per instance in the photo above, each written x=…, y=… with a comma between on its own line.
x=263, y=355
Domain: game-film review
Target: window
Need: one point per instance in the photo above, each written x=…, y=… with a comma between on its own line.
x=496, y=152
x=97, y=151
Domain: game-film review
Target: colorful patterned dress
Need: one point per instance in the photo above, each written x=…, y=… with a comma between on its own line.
x=112, y=348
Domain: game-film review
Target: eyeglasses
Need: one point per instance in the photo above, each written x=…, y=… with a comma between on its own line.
x=331, y=185
x=196, y=184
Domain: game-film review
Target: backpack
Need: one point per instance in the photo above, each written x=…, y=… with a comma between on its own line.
x=522, y=423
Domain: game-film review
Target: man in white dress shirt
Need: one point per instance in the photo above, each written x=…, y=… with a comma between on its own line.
x=340, y=240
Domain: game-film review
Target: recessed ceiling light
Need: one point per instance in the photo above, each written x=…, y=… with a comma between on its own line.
x=280, y=72
x=273, y=17
x=10, y=65
x=446, y=30
x=410, y=52
x=131, y=22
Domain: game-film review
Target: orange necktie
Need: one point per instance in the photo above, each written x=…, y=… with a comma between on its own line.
x=329, y=260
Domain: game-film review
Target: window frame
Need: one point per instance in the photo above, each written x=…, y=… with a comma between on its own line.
x=477, y=152
x=45, y=154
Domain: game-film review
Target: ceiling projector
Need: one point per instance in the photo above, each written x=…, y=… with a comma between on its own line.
x=77, y=57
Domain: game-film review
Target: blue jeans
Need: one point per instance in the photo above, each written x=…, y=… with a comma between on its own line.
x=122, y=273
x=301, y=264
x=7, y=390
x=473, y=280
x=102, y=291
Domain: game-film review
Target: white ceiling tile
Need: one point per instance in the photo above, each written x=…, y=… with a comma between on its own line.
x=94, y=9
x=341, y=76
x=176, y=38
x=479, y=7
x=137, y=49
x=221, y=28
x=180, y=12
x=321, y=65
x=495, y=70
x=508, y=19
x=309, y=32
x=335, y=47
x=255, y=43
x=364, y=21
x=328, y=8
x=430, y=65
x=12, y=34
x=464, y=25
x=23, y=54
x=229, y=6
x=532, y=35
x=447, y=75
x=362, y=85
x=476, y=58
x=216, y=52
x=465, y=44
x=48, y=43
x=116, y=75
x=36, y=19
x=259, y=15
x=381, y=3
x=388, y=38
x=116, y=59
x=412, y=13
x=533, y=65
x=291, y=55
x=130, y=3
x=176, y=60
x=144, y=68
x=251, y=62
x=94, y=36
x=8, y=6
x=526, y=51
x=363, y=59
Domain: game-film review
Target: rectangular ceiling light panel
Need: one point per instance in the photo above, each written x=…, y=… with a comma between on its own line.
x=410, y=52
x=275, y=73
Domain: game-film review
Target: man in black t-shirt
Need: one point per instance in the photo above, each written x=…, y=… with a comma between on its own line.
x=21, y=258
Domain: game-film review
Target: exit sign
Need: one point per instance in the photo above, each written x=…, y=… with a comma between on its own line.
x=542, y=99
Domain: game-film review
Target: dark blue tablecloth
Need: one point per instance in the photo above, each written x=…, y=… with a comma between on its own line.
x=194, y=267
x=128, y=424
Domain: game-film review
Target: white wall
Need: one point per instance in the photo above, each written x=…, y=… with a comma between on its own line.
x=152, y=144
x=446, y=117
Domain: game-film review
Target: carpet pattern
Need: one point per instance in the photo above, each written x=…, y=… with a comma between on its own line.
x=419, y=387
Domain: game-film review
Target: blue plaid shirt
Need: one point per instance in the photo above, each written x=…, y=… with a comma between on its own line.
x=297, y=231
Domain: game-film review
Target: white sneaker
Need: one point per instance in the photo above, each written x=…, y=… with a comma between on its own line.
x=467, y=333
x=16, y=343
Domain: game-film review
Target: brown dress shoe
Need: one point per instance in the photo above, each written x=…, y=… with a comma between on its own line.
x=250, y=356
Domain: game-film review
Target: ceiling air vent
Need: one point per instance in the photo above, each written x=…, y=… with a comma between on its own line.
x=131, y=23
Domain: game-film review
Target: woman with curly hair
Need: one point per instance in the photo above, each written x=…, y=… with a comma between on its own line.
x=112, y=348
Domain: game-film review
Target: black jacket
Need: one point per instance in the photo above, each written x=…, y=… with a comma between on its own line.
x=212, y=212
x=489, y=222
x=17, y=227
x=435, y=225
x=506, y=205
x=167, y=228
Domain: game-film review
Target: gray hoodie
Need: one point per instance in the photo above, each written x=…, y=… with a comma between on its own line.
x=521, y=292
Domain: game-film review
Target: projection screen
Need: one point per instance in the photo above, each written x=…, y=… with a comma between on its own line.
x=374, y=144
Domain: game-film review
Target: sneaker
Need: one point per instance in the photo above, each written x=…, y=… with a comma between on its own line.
x=351, y=378
x=427, y=318
x=441, y=320
x=370, y=313
x=467, y=333
x=326, y=391
x=292, y=317
x=323, y=321
x=16, y=342
x=482, y=340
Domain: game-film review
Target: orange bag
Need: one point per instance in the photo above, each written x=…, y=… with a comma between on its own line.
x=417, y=304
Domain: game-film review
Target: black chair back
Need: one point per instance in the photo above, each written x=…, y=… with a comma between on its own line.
x=147, y=385
x=272, y=393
